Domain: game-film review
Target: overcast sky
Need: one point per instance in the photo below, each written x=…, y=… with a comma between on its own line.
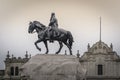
x=81, y=17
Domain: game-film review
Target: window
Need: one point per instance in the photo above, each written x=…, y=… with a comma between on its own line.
x=16, y=71
x=95, y=47
x=100, y=69
x=12, y=71
x=104, y=47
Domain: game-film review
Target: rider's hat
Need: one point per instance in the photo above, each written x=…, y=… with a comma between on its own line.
x=52, y=13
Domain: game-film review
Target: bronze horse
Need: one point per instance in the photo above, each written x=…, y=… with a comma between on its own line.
x=46, y=34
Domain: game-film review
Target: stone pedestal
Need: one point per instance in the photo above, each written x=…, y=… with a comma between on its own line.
x=53, y=67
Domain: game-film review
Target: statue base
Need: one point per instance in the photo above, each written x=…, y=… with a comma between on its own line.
x=53, y=67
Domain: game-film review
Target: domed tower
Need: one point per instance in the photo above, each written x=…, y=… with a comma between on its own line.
x=101, y=62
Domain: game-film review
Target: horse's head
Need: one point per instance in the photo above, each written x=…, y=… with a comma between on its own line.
x=36, y=25
x=31, y=27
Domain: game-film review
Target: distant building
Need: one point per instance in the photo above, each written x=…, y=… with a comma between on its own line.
x=101, y=62
x=12, y=65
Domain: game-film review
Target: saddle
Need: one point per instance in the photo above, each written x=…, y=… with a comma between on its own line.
x=52, y=33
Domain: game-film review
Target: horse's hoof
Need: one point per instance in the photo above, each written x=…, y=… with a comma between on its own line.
x=70, y=53
x=46, y=53
x=56, y=53
x=39, y=49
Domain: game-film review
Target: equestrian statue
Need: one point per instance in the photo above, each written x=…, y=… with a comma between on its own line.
x=51, y=33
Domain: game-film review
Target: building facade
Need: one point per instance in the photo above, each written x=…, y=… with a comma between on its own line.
x=101, y=62
x=12, y=66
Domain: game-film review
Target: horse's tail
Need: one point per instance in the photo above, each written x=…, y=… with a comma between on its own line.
x=70, y=39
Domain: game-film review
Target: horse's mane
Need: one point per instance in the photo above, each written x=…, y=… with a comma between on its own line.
x=40, y=25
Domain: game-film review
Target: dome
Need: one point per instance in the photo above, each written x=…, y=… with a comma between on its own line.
x=100, y=47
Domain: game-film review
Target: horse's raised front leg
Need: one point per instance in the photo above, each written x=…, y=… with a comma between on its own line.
x=45, y=42
x=38, y=41
x=61, y=45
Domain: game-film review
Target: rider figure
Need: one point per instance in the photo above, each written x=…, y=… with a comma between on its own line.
x=53, y=26
x=53, y=21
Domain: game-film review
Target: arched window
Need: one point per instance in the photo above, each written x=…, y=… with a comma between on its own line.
x=95, y=47
x=16, y=71
x=104, y=47
x=12, y=71
x=100, y=69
